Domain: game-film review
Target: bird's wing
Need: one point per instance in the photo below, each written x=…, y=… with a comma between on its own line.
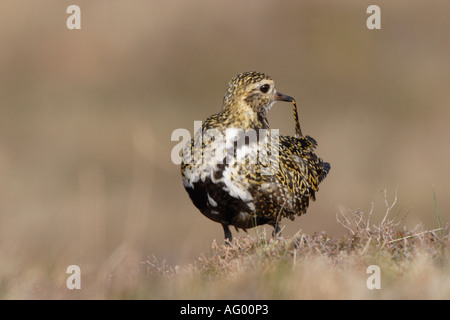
x=299, y=171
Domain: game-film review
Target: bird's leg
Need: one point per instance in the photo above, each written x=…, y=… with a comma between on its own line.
x=276, y=230
x=228, y=235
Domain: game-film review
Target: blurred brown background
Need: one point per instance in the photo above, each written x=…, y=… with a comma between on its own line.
x=86, y=118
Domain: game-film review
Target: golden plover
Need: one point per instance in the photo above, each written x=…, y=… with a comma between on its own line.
x=223, y=169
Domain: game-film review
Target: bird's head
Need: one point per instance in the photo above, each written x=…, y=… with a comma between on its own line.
x=252, y=92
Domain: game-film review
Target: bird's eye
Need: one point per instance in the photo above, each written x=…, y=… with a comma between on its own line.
x=264, y=88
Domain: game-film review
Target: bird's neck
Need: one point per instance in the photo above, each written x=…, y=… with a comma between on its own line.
x=242, y=115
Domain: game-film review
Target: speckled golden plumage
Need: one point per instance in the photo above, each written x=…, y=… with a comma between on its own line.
x=250, y=192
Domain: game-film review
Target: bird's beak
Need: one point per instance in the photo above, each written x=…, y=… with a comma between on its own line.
x=282, y=97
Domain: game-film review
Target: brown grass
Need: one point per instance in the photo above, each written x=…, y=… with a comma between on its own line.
x=414, y=264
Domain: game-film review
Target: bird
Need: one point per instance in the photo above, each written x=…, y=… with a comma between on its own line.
x=222, y=167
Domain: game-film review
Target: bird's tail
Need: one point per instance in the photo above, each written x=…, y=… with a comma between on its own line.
x=324, y=173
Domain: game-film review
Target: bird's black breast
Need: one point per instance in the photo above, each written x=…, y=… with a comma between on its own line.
x=215, y=202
